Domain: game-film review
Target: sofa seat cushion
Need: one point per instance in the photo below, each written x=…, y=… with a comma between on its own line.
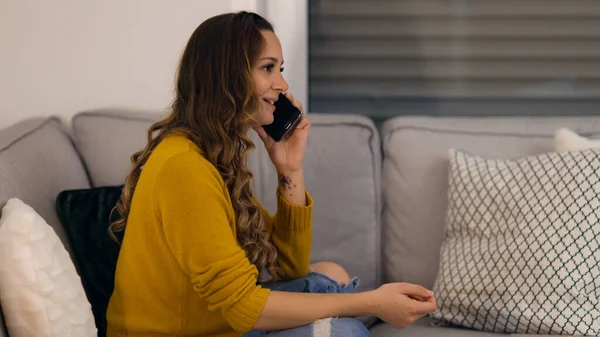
x=423, y=328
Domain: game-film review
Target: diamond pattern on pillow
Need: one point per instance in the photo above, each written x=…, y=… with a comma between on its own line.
x=521, y=251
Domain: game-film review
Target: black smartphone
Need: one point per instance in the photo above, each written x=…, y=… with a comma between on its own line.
x=286, y=116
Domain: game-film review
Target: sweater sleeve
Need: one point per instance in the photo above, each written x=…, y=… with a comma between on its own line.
x=291, y=234
x=193, y=205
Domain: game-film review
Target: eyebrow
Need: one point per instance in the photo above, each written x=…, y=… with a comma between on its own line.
x=275, y=60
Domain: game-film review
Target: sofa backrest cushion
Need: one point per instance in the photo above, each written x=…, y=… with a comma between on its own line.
x=37, y=162
x=107, y=139
x=415, y=177
x=341, y=169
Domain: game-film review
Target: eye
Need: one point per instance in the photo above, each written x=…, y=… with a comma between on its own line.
x=281, y=69
x=269, y=67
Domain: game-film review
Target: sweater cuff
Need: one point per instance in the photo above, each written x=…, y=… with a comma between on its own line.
x=299, y=217
x=245, y=313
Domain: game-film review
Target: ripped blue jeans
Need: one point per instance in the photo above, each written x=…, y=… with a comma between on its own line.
x=332, y=327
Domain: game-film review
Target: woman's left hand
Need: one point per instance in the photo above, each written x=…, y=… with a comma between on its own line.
x=288, y=153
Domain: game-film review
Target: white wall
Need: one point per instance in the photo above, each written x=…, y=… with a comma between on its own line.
x=290, y=21
x=64, y=56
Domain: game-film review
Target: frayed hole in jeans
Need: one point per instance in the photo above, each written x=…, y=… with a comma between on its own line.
x=322, y=328
x=355, y=281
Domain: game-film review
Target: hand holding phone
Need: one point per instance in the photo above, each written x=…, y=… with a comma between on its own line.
x=286, y=116
x=285, y=139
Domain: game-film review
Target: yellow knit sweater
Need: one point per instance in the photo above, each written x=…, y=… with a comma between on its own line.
x=181, y=271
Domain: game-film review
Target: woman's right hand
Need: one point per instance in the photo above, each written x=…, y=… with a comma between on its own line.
x=400, y=304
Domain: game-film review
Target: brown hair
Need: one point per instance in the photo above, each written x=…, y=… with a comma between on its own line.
x=214, y=106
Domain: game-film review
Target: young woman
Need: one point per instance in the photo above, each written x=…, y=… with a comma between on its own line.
x=197, y=239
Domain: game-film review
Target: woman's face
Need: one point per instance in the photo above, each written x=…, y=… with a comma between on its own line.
x=267, y=78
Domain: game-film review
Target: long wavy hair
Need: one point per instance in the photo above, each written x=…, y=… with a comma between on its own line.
x=215, y=106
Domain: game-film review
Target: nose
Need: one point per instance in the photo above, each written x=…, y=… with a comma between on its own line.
x=280, y=84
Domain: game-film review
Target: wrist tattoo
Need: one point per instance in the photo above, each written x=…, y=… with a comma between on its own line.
x=285, y=182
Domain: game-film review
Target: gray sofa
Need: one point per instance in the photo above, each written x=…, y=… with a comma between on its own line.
x=380, y=193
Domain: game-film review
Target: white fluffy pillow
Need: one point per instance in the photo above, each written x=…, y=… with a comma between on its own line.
x=567, y=140
x=40, y=291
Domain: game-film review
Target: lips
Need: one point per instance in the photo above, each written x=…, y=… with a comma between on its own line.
x=270, y=101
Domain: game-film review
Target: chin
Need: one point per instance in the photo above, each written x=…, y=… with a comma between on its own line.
x=266, y=120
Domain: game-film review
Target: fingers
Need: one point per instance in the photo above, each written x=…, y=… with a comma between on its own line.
x=433, y=302
x=294, y=102
x=413, y=289
x=417, y=298
x=424, y=308
x=304, y=123
x=423, y=300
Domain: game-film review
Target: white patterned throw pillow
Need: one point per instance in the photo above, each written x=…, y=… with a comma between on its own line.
x=521, y=250
x=40, y=291
x=568, y=140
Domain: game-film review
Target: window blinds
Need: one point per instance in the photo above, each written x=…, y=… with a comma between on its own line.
x=447, y=57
